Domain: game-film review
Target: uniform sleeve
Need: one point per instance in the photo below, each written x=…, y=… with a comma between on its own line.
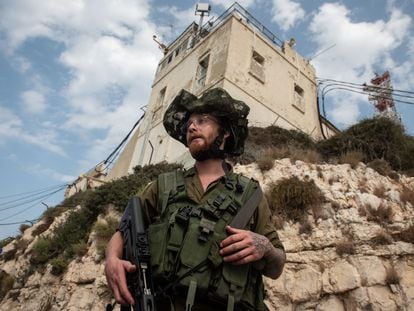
x=264, y=224
x=149, y=199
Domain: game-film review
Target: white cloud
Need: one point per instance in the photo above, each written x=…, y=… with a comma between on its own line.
x=361, y=48
x=286, y=13
x=53, y=174
x=109, y=51
x=11, y=128
x=33, y=102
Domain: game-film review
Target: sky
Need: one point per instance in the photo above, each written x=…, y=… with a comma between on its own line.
x=75, y=75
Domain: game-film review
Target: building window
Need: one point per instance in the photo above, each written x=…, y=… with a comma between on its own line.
x=202, y=72
x=159, y=104
x=257, y=63
x=298, y=100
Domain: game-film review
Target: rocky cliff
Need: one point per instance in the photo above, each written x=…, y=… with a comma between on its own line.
x=356, y=251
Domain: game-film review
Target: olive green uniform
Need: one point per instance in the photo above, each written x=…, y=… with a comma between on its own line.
x=261, y=221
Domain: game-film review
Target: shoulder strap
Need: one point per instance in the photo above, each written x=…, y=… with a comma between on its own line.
x=244, y=214
x=168, y=184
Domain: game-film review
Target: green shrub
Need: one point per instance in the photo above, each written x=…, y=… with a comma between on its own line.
x=291, y=197
x=9, y=255
x=42, y=251
x=272, y=137
x=376, y=138
x=6, y=241
x=59, y=265
x=6, y=283
x=80, y=249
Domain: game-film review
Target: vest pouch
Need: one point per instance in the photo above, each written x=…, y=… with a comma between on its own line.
x=235, y=278
x=194, y=252
x=157, y=240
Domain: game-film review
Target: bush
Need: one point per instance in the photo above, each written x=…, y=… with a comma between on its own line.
x=345, y=247
x=352, y=157
x=59, y=265
x=23, y=228
x=383, y=214
x=376, y=138
x=382, y=238
x=272, y=137
x=407, y=196
x=42, y=251
x=291, y=197
x=6, y=283
x=406, y=235
x=380, y=166
x=80, y=249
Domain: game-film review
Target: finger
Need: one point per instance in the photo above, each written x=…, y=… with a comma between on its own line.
x=244, y=260
x=231, y=239
x=238, y=255
x=232, y=248
x=129, y=267
x=118, y=297
x=123, y=288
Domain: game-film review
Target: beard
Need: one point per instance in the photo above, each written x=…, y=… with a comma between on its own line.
x=199, y=150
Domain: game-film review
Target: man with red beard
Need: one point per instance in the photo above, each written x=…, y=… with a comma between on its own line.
x=210, y=231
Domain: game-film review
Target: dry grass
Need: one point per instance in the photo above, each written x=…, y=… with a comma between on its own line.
x=382, y=238
x=353, y=158
x=380, y=191
x=406, y=235
x=383, y=214
x=392, y=276
x=265, y=162
x=345, y=247
x=305, y=227
x=407, y=196
x=363, y=185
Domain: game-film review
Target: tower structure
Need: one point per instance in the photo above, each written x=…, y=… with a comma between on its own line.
x=237, y=53
x=380, y=95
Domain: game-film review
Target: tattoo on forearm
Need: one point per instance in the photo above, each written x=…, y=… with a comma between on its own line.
x=261, y=243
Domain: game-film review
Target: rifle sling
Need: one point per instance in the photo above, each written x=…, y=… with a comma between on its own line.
x=242, y=218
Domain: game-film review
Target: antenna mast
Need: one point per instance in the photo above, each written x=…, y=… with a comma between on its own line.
x=380, y=95
x=202, y=9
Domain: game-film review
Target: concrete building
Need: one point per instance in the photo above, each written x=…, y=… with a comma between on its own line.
x=235, y=52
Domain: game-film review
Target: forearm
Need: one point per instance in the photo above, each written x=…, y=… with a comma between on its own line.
x=275, y=260
x=115, y=246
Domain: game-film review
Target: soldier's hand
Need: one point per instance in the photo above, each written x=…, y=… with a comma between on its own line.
x=115, y=269
x=243, y=246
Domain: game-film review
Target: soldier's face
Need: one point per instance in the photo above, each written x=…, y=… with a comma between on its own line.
x=202, y=129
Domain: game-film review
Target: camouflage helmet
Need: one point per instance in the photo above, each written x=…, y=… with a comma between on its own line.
x=231, y=113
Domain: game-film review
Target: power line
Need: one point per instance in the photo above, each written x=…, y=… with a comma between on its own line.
x=32, y=205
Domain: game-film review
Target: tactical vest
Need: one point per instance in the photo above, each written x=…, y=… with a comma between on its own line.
x=184, y=244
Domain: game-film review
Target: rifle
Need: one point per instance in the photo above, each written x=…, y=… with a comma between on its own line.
x=136, y=250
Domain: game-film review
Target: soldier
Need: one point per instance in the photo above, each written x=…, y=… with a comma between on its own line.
x=198, y=259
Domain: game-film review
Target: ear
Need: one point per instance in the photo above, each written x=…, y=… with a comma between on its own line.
x=226, y=134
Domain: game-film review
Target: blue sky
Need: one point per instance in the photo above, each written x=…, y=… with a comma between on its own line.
x=74, y=75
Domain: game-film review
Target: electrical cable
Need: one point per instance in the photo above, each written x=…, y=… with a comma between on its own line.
x=32, y=205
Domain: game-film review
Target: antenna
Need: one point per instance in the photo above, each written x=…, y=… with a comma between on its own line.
x=202, y=9
x=322, y=51
x=161, y=45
